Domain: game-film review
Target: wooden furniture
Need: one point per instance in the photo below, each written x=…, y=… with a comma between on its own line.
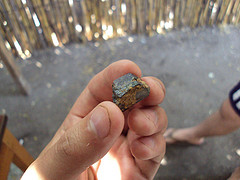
x=11, y=151
x=8, y=59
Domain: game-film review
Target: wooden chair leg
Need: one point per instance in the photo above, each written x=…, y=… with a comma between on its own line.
x=21, y=157
x=8, y=60
x=6, y=157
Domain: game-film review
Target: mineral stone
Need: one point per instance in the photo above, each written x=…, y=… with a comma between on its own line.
x=129, y=90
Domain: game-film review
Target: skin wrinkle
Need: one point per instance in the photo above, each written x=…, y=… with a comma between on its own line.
x=143, y=174
x=149, y=115
x=96, y=91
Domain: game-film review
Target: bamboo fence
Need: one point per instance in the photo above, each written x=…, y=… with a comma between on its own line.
x=28, y=25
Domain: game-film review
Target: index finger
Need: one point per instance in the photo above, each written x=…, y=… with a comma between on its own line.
x=100, y=87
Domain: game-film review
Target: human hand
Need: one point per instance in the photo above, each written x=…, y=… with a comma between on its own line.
x=94, y=126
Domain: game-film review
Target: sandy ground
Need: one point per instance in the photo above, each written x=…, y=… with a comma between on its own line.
x=197, y=67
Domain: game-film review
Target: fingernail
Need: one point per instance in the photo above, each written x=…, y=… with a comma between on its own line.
x=99, y=122
x=148, y=141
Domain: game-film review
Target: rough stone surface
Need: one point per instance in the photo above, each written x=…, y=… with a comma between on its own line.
x=129, y=90
x=198, y=69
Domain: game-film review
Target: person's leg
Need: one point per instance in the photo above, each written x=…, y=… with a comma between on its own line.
x=223, y=121
x=235, y=175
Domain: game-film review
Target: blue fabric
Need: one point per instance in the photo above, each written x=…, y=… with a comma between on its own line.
x=234, y=97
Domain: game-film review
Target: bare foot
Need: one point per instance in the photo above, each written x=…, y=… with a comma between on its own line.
x=181, y=135
x=235, y=175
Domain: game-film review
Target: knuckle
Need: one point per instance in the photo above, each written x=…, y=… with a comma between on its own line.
x=66, y=146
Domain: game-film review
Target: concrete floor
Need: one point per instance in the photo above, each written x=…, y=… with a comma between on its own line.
x=197, y=67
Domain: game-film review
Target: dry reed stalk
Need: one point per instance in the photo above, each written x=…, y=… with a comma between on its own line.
x=61, y=24
x=140, y=23
x=232, y=17
x=150, y=18
x=177, y=11
x=88, y=20
x=228, y=12
x=133, y=16
x=182, y=10
x=157, y=13
x=87, y=30
x=47, y=31
x=222, y=11
x=187, y=13
x=128, y=16
x=51, y=19
x=67, y=26
x=203, y=16
x=67, y=15
x=94, y=18
x=6, y=32
x=237, y=15
x=162, y=15
x=29, y=25
x=13, y=23
x=23, y=31
x=195, y=14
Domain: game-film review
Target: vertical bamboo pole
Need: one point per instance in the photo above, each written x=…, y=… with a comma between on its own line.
x=232, y=17
x=69, y=30
x=51, y=18
x=31, y=31
x=30, y=13
x=99, y=15
x=21, y=38
x=195, y=14
x=47, y=31
x=237, y=15
x=187, y=13
x=228, y=12
x=162, y=15
x=157, y=13
x=23, y=31
x=89, y=6
x=150, y=18
x=222, y=11
x=154, y=25
x=87, y=29
x=128, y=16
x=94, y=18
x=176, y=14
x=123, y=15
x=75, y=22
x=66, y=14
x=61, y=24
x=117, y=4
x=165, y=12
x=7, y=33
x=171, y=13
x=140, y=22
x=133, y=16
x=204, y=12
x=182, y=11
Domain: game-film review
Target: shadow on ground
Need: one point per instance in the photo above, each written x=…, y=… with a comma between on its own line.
x=198, y=68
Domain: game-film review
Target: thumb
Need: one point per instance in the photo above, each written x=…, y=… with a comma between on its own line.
x=83, y=144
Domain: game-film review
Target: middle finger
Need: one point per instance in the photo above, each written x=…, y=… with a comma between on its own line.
x=147, y=121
